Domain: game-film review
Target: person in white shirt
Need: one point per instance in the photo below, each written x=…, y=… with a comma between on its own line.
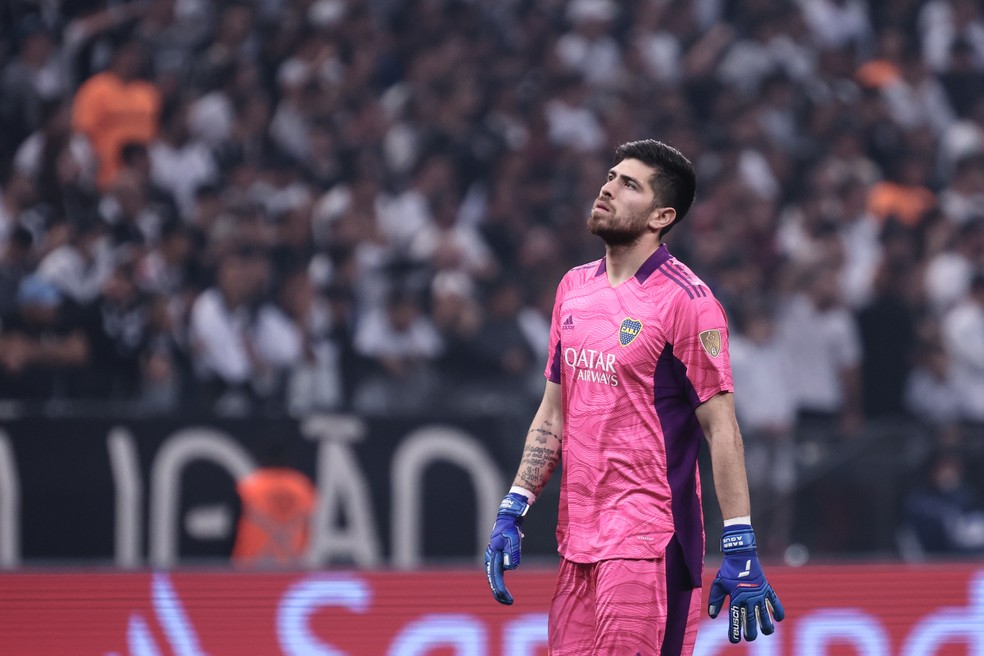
x=79, y=267
x=241, y=346
x=963, y=339
x=400, y=344
x=946, y=278
x=821, y=339
x=931, y=394
x=766, y=408
x=179, y=163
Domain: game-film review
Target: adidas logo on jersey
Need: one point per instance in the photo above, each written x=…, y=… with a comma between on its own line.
x=568, y=323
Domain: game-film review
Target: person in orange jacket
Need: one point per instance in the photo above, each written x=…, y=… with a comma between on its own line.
x=277, y=507
x=117, y=107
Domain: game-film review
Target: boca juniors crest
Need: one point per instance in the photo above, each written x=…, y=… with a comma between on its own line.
x=628, y=331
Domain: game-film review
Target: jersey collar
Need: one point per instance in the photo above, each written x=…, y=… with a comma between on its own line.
x=653, y=262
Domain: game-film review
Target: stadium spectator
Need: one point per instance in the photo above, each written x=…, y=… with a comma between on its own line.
x=129, y=207
x=402, y=216
x=447, y=244
x=963, y=339
x=171, y=30
x=941, y=22
x=117, y=107
x=80, y=266
x=241, y=346
x=887, y=329
x=168, y=265
x=59, y=161
x=500, y=343
x=277, y=505
x=931, y=392
x=400, y=344
x=315, y=382
x=116, y=327
x=916, y=98
x=42, y=345
x=15, y=264
x=164, y=362
x=942, y=514
x=457, y=316
x=948, y=272
x=906, y=197
x=962, y=199
x=764, y=46
x=33, y=78
x=766, y=409
x=821, y=338
x=962, y=78
x=837, y=24
x=233, y=41
x=17, y=196
x=589, y=48
x=178, y=163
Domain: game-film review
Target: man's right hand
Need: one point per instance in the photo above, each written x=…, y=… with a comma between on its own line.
x=504, y=550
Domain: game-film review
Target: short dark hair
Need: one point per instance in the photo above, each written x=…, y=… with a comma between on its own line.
x=131, y=151
x=977, y=282
x=675, y=182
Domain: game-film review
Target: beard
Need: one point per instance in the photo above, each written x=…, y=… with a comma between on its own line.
x=617, y=229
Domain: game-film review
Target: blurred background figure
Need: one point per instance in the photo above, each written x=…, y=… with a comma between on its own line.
x=277, y=505
x=43, y=348
x=15, y=264
x=963, y=339
x=766, y=409
x=400, y=345
x=242, y=346
x=315, y=382
x=822, y=341
x=942, y=514
x=80, y=265
x=116, y=323
x=32, y=78
x=117, y=107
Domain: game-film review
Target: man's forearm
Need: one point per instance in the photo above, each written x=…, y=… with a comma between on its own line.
x=71, y=350
x=851, y=382
x=730, y=480
x=540, y=455
x=717, y=419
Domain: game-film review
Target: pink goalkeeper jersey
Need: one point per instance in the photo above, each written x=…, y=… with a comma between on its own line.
x=633, y=362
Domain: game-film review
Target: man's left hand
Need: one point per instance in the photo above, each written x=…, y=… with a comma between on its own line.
x=752, y=599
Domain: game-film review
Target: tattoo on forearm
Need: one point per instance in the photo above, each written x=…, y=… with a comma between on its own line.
x=537, y=466
x=544, y=431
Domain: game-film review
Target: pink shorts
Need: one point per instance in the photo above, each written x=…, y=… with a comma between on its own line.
x=629, y=607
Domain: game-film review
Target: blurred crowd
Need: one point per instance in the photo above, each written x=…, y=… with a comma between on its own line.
x=291, y=205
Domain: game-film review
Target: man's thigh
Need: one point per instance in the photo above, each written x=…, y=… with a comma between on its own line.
x=630, y=611
x=612, y=608
x=620, y=607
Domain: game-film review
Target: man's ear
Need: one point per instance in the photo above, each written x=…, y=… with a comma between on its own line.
x=660, y=218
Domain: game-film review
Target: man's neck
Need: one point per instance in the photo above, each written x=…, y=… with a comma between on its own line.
x=622, y=262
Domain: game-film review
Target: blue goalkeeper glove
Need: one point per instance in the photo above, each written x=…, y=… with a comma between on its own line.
x=503, y=551
x=741, y=578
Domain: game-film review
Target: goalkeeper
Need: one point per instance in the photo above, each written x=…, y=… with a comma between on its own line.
x=638, y=372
